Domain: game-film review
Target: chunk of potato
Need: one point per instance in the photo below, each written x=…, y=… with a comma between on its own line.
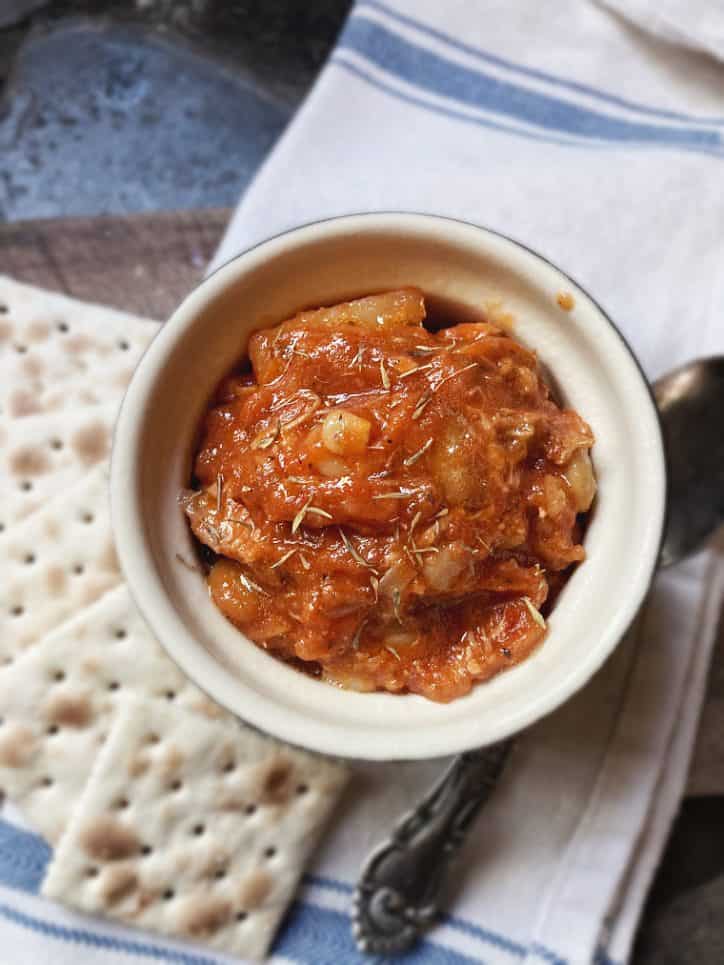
x=554, y=495
x=452, y=464
x=328, y=464
x=345, y=433
x=579, y=475
x=406, y=306
x=444, y=569
x=238, y=603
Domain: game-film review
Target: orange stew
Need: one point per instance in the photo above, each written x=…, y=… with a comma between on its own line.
x=389, y=507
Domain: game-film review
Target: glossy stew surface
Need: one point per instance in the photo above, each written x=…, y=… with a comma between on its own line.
x=388, y=507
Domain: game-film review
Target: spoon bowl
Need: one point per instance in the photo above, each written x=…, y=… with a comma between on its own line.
x=691, y=403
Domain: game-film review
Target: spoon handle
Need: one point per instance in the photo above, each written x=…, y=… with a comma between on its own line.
x=398, y=891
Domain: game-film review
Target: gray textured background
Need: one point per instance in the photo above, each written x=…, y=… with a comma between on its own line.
x=135, y=106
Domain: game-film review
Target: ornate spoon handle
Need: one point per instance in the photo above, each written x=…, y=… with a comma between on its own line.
x=399, y=888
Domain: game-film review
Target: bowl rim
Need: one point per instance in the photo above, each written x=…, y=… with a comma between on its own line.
x=127, y=517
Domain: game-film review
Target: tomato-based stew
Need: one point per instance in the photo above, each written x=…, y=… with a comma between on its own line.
x=388, y=507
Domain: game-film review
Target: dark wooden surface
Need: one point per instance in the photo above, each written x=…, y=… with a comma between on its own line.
x=146, y=264
x=142, y=263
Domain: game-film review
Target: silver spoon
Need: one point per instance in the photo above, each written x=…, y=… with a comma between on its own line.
x=691, y=406
x=398, y=891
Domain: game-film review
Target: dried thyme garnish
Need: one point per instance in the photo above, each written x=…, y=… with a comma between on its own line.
x=219, y=486
x=319, y=512
x=454, y=375
x=418, y=368
x=250, y=585
x=283, y=559
x=357, y=634
x=537, y=616
x=383, y=375
x=411, y=460
x=268, y=439
x=396, y=604
x=297, y=521
x=393, y=495
x=356, y=556
x=421, y=404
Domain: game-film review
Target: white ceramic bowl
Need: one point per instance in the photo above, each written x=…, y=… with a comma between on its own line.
x=321, y=264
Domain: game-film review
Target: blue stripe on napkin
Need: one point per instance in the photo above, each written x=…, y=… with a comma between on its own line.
x=434, y=74
x=452, y=921
x=561, y=83
x=444, y=111
x=311, y=934
x=324, y=937
x=24, y=857
x=83, y=936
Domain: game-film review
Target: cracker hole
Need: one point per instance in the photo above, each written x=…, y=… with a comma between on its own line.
x=16, y=611
x=63, y=327
x=242, y=915
x=78, y=568
x=250, y=809
x=152, y=738
x=228, y=767
x=302, y=789
x=124, y=345
x=270, y=852
x=176, y=785
x=220, y=873
x=59, y=675
x=7, y=660
x=168, y=894
x=113, y=685
x=87, y=518
x=198, y=830
x=47, y=781
x=3, y=309
x=146, y=849
x=2, y=527
x=29, y=559
x=121, y=804
x=53, y=729
x=170, y=695
x=56, y=443
x=120, y=634
x=91, y=872
x=21, y=349
x=26, y=485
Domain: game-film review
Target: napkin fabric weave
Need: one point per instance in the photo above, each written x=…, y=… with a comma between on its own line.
x=599, y=141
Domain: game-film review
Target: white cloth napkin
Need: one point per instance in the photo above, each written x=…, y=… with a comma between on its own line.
x=601, y=145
